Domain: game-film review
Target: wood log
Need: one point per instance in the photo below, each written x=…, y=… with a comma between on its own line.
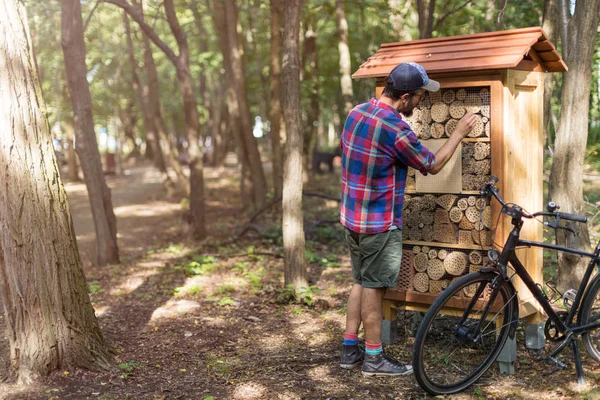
x=442, y=254
x=455, y=215
x=457, y=110
x=475, y=257
x=435, y=269
x=455, y=263
x=421, y=261
x=421, y=282
x=448, y=96
x=462, y=204
x=441, y=217
x=439, y=112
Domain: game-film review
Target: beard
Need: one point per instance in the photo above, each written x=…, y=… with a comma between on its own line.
x=408, y=113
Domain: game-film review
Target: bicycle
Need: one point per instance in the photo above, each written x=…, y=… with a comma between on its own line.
x=455, y=348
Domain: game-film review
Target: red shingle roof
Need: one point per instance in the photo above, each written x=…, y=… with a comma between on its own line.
x=477, y=52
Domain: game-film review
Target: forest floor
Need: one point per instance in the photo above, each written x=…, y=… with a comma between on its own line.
x=209, y=320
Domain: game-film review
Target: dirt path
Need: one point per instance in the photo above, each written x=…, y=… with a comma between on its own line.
x=144, y=214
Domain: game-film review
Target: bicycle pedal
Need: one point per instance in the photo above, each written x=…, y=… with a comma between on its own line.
x=559, y=364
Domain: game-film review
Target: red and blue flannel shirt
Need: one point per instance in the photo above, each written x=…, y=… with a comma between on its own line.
x=377, y=149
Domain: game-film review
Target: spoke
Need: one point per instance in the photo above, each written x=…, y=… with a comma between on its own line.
x=499, y=311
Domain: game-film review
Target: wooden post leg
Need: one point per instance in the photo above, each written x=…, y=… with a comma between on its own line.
x=535, y=339
x=389, y=326
x=508, y=354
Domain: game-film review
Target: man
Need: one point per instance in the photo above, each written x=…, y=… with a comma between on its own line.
x=378, y=146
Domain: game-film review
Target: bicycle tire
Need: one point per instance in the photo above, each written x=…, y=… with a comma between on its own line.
x=436, y=367
x=590, y=312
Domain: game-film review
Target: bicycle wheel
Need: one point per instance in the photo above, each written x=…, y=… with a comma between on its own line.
x=590, y=313
x=459, y=337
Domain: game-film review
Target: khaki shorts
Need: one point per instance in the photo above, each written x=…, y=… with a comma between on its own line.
x=375, y=258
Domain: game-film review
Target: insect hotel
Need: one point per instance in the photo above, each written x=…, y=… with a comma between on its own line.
x=447, y=226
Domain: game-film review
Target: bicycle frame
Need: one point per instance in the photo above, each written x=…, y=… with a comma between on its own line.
x=509, y=256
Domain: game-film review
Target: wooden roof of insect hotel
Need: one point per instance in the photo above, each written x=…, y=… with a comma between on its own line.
x=525, y=49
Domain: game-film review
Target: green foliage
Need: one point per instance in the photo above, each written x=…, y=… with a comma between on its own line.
x=200, y=266
x=94, y=287
x=128, y=368
x=191, y=290
x=304, y=295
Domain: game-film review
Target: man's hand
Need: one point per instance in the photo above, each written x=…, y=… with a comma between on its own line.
x=465, y=125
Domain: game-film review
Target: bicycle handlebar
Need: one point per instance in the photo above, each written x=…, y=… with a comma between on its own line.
x=490, y=189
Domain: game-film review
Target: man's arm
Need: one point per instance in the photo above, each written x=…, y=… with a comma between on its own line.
x=463, y=128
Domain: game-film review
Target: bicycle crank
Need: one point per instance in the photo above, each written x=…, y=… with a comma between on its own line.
x=551, y=331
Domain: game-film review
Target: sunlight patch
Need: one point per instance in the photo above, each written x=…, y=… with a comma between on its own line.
x=174, y=308
x=249, y=390
x=146, y=210
x=273, y=343
x=100, y=311
x=320, y=373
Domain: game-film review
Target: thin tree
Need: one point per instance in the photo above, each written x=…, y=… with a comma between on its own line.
x=578, y=38
x=259, y=185
x=153, y=96
x=292, y=221
x=311, y=78
x=142, y=101
x=428, y=23
x=105, y=222
x=50, y=321
x=181, y=62
x=344, y=49
x=275, y=114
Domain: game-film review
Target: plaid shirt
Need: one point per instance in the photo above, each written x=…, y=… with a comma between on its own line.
x=377, y=149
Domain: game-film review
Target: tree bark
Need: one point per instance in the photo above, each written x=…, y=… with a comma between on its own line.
x=425, y=11
x=233, y=106
x=72, y=163
x=550, y=27
x=259, y=186
x=345, y=65
x=190, y=106
x=566, y=186
x=275, y=114
x=311, y=77
x=105, y=222
x=292, y=221
x=50, y=321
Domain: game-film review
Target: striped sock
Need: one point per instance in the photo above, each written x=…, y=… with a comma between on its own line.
x=373, y=348
x=350, y=339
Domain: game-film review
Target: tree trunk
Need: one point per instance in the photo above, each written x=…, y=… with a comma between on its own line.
x=152, y=93
x=72, y=164
x=425, y=11
x=203, y=47
x=105, y=222
x=293, y=229
x=190, y=106
x=151, y=136
x=259, y=186
x=566, y=186
x=50, y=321
x=550, y=27
x=252, y=38
x=233, y=106
x=311, y=77
x=345, y=65
x=275, y=114
x=128, y=120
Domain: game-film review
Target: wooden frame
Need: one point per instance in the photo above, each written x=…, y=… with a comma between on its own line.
x=516, y=110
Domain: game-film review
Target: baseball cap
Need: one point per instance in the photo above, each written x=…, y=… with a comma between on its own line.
x=412, y=76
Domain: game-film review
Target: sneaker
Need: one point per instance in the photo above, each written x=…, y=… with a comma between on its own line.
x=384, y=365
x=351, y=356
